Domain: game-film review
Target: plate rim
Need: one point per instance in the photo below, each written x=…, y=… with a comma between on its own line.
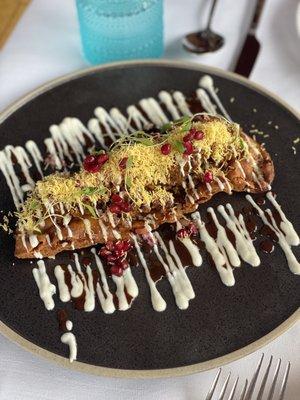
x=154, y=373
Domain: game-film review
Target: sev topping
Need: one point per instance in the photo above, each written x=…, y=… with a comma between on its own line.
x=148, y=174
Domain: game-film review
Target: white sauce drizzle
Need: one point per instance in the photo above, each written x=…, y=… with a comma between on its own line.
x=219, y=182
x=95, y=129
x=243, y=241
x=175, y=276
x=240, y=168
x=181, y=103
x=36, y=155
x=11, y=178
x=103, y=229
x=66, y=220
x=205, y=101
x=137, y=117
x=23, y=237
x=191, y=248
x=192, y=186
x=121, y=121
x=33, y=240
x=46, y=288
x=64, y=293
x=70, y=339
x=220, y=260
x=88, y=285
x=223, y=242
x=104, y=295
x=158, y=303
x=49, y=143
x=154, y=111
x=110, y=217
x=22, y=159
x=69, y=325
x=76, y=282
x=105, y=119
x=116, y=234
x=38, y=254
x=88, y=229
x=285, y=225
x=207, y=83
x=166, y=99
x=293, y=264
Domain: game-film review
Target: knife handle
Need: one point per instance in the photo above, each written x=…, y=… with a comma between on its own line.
x=257, y=14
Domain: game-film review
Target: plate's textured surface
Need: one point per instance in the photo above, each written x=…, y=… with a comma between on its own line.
x=220, y=319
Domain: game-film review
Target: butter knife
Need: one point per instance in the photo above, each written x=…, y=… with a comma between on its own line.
x=251, y=46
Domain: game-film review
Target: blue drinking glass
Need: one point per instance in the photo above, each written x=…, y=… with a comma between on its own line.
x=120, y=29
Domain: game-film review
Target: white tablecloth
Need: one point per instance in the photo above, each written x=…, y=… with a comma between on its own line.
x=44, y=45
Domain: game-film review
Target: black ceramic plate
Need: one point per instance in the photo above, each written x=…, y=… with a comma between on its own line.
x=221, y=323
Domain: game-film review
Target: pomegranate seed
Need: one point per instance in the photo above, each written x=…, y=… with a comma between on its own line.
x=104, y=252
x=115, y=208
x=191, y=228
x=127, y=245
x=119, y=253
x=123, y=162
x=90, y=159
x=166, y=149
x=110, y=245
x=199, y=135
x=116, y=198
x=90, y=164
x=115, y=270
x=125, y=207
x=124, y=264
x=188, y=148
x=208, y=177
x=119, y=245
x=182, y=233
x=111, y=259
x=188, y=137
x=102, y=158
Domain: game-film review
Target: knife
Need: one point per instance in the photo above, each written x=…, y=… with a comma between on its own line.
x=251, y=45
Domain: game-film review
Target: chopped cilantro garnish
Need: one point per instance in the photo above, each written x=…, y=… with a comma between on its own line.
x=179, y=146
x=90, y=209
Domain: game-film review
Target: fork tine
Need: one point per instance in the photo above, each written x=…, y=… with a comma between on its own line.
x=213, y=386
x=243, y=392
x=264, y=380
x=233, y=389
x=272, y=388
x=254, y=379
x=284, y=381
x=222, y=393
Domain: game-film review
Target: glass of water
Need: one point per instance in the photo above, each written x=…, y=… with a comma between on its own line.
x=120, y=29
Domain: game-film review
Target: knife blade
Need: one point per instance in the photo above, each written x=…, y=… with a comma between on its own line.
x=251, y=46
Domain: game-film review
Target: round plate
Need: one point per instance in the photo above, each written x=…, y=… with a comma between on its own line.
x=222, y=323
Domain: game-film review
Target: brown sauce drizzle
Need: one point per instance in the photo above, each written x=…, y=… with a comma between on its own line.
x=194, y=104
x=86, y=261
x=267, y=246
x=260, y=200
x=62, y=317
x=211, y=228
x=269, y=233
x=168, y=232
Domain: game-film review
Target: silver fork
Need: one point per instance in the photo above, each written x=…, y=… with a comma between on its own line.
x=247, y=391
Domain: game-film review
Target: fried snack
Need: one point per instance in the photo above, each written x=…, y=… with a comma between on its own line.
x=144, y=181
